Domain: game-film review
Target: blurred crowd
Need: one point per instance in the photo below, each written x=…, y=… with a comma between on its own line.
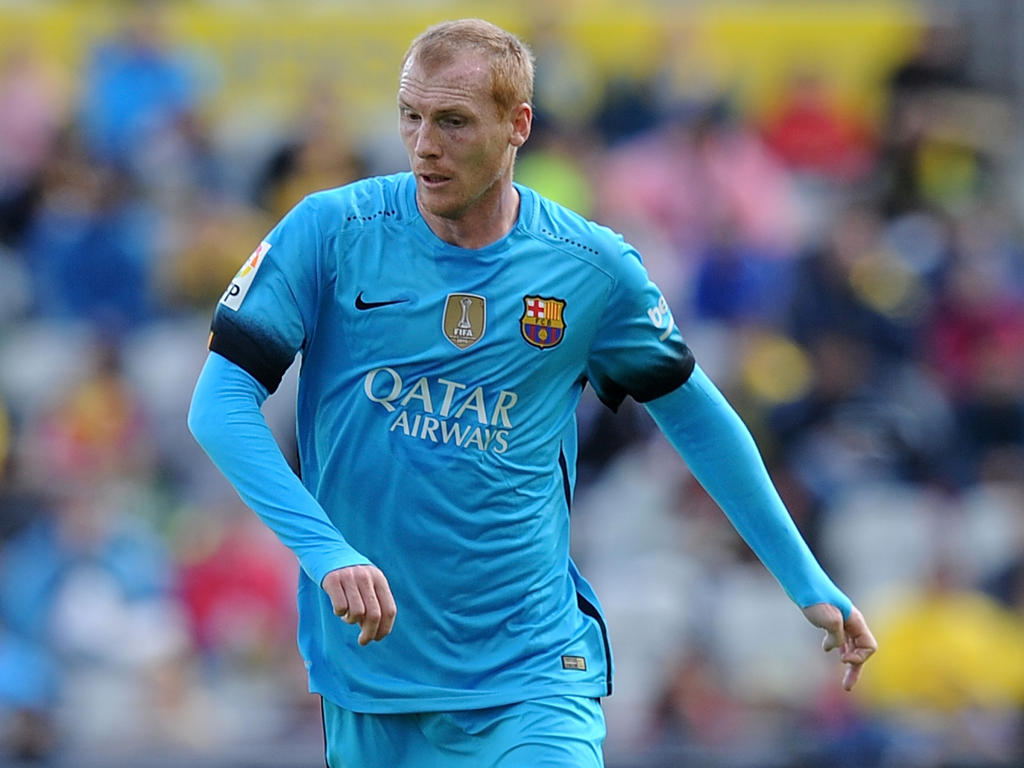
x=853, y=282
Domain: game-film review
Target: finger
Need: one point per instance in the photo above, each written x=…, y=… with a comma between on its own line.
x=356, y=609
x=851, y=676
x=388, y=609
x=854, y=655
x=371, y=615
x=833, y=639
x=862, y=642
x=859, y=648
x=336, y=593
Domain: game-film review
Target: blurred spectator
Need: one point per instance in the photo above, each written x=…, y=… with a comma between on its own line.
x=811, y=134
x=28, y=694
x=858, y=423
x=852, y=285
x=628, y=108
x=90, y=245
x=964, y=686
x=31, y=114
x=937, y=60
x=215, y=235
x=740, y=282
x=558, y=165
x=685, y=80
x=86, y=580
x=567, y=88
x=975, y=342
x=96, y=432
x=86, y=587
x=135, y=87
x=691, y=177
x=238, y=588
x=944, y=136
x=317, y=154
x=696, y=708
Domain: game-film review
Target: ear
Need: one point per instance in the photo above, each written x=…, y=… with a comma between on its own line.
x=522, y=121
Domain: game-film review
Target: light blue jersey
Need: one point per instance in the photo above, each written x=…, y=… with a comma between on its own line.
x=436, y=429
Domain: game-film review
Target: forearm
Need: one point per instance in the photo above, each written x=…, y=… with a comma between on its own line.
x=719, y=450
x=226, y=420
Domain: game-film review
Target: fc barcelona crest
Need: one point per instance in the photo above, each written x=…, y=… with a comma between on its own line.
x=465, y=319
x=542, y=322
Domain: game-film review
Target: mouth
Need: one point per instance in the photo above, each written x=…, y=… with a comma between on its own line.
x=433, y=180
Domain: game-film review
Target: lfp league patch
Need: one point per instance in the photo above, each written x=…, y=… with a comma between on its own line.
x=240, y=283
x=542, y=322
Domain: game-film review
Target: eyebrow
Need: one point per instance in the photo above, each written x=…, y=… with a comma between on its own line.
x=442, y=112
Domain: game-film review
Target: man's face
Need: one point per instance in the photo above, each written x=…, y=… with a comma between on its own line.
x=459, y=146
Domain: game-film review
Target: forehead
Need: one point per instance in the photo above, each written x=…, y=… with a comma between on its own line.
x=464, y=80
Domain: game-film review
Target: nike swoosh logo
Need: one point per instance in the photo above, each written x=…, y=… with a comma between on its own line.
x=360, y=304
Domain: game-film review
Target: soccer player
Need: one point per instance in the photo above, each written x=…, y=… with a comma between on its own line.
x=448, y=320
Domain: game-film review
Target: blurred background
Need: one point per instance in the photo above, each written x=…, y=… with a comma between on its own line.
x=830, y=194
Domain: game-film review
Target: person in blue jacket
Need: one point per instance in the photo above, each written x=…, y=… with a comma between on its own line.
x=447, y=321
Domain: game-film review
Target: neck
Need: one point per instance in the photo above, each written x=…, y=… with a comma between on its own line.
x=486, y=221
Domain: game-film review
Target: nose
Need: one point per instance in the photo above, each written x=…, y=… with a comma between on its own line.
x=426, y=141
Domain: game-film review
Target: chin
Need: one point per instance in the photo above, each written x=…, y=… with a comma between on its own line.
x=440, y=205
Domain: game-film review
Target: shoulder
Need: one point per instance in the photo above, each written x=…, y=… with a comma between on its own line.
x=369, y=201
x=578, y=236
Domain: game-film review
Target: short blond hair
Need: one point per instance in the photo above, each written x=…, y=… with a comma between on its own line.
x=511, y=59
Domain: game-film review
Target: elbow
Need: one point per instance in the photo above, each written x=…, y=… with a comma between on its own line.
x=203, y=419
x=195, y=419
x=208, y=408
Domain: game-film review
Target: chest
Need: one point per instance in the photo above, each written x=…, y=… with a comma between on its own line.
x=529, y=311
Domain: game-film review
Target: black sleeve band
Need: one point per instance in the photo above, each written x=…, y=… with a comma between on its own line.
x=652, y=384
x=664, y=379
x=262, y=359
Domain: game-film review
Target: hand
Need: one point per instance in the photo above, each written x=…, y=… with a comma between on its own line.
x=360, y=595
x=852, y=637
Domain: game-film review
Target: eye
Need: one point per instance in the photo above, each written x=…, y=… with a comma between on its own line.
x=453, y=121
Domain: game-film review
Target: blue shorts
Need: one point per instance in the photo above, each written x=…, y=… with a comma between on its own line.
x=555, y=732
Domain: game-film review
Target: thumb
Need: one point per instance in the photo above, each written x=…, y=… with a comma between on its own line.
x=829, y=618
x=834, y=637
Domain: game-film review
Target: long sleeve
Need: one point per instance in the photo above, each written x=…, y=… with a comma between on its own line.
x=717, y=446
x=226, y=420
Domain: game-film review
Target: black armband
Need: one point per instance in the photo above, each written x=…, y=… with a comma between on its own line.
x=650, y=384
x=256, y=354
